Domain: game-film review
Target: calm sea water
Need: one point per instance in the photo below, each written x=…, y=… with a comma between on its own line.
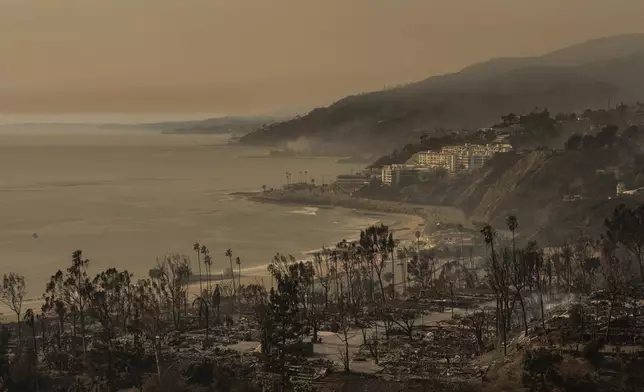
x=126, y=198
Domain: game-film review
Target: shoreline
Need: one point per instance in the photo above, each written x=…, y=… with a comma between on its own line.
x=427, y=214
x=408, y=219
x=411, y=219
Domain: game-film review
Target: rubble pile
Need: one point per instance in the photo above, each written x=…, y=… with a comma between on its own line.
x=568, y=328
x=445, y=352
x=311, y=371
x=438, y=303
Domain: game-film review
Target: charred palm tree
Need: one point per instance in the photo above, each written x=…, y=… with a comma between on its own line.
x=519, y=268
x=513, y=224
x=391, y=248
x=207, y=261
x=197, y=248
x=238, y=262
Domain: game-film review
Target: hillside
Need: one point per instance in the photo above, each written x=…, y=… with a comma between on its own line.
x=572, y=187
x=236, y=125
x=581, y=76
x=561, y=180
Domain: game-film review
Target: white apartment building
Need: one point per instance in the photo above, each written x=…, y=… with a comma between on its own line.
x=393, y=174
x=477, y=149
x=455, y=159
x=467, y=157
x=435, y=159
x=456, y=150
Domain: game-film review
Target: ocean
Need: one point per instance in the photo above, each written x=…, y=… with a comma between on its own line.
x=127, y=198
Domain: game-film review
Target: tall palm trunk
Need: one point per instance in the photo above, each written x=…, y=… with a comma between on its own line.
x=230, y=259
x=208, y=282
x=239, y=274
x=200, y=276
x=500, y=301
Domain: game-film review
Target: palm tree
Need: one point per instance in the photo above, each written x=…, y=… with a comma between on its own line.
x=229, y=254
x=306, y=176
x=489, y=234
x=216, y=299
x=264, y=188
x=513, y=224
x=207, y=261
x=197, y=248
x=238, y=262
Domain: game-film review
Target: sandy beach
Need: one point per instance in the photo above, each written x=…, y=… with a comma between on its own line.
x=428, y=213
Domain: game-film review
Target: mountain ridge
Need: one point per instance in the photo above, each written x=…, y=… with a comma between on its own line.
x=584, y=75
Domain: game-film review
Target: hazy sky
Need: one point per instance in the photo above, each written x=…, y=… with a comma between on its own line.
x=249, y=56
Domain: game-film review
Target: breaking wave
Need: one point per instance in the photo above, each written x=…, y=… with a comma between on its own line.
x=306, y=211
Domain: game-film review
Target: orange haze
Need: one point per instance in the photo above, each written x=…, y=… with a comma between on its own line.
x=244, y=56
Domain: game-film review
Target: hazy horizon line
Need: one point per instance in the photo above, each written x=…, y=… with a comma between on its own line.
x=115, y=118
